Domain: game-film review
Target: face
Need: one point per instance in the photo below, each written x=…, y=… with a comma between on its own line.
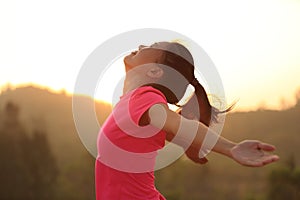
x=143, y=55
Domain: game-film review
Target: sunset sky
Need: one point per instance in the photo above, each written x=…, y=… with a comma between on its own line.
x=255, y=44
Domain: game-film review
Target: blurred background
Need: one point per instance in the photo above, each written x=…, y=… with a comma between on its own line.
x=255, y=46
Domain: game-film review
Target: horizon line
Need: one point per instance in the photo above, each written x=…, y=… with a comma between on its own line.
x=10, y=86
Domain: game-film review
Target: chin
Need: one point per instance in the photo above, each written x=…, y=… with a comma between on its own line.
x=127, y=67
x=125, y=61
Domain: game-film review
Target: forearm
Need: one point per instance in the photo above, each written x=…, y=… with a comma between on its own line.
x=224, y=146
x=204, y=137
x=209, y=140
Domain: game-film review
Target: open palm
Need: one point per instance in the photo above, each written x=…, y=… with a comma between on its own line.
x=253, y=153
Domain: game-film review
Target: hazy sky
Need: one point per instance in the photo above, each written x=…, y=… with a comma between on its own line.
x=254, y=44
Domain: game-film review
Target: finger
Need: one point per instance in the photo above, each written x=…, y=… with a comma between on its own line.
x=262, y=161
x=202, y=160
x=270, y=159
x=266, y=147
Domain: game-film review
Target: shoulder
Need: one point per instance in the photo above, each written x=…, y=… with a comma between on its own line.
x=141, y=100
x=147, y=94
x=162, y=117
x=148, y=90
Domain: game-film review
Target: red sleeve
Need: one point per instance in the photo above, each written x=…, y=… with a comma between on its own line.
x=142, y=99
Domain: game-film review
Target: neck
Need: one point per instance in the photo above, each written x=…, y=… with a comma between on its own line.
x=132, y=83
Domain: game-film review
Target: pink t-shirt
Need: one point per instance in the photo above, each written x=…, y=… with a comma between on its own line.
x=126, y=151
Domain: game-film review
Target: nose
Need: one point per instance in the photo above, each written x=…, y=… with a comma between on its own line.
x=142, y=46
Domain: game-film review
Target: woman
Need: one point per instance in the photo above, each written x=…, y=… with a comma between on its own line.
x=156, y=76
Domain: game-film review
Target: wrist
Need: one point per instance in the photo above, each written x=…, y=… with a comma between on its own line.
x=228, y=149
x=224, y=147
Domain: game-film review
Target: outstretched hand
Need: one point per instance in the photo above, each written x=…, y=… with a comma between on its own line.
x=253, y=153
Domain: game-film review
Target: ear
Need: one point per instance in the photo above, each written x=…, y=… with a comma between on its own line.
x=155, y=72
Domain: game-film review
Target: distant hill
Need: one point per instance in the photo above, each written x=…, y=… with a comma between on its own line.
x=42, y=109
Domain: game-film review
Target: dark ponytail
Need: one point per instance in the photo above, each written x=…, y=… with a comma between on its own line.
x=198, y=106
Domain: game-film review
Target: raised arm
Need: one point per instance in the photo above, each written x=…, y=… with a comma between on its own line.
x=249, y=153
